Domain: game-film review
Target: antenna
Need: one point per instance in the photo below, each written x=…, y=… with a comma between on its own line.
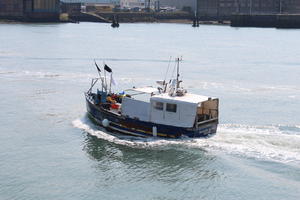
x=167, y=69
x=110, y=82
x=99, y=72
x=177, y=78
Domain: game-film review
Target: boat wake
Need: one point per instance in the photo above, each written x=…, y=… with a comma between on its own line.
x=120, y=139
x=63, y=76
x=273, y=143
x=276, y=143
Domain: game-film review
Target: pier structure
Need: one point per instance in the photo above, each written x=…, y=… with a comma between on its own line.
x=223, y=9
x=266, y=21
x=256, y=13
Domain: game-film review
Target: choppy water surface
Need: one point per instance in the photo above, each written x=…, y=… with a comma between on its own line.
x=50, y=150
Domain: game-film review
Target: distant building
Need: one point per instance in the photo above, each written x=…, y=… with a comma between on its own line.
x=115, y=2
x=253, y=7
x=179, y=4
x=290, y=6
x=101, y=7
x=223, y=9
x=71, y=7
x=46, y=6
x=132, y=3
x=11, y=8
x=40, y=10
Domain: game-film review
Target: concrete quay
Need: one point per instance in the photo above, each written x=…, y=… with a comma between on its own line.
x=266, y=20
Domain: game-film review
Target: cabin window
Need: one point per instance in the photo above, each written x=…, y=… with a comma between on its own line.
x=171, y=107
x=158, y=105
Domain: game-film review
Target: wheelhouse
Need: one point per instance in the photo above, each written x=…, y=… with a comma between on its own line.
x=181, y=111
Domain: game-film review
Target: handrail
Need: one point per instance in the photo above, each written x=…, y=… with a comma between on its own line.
x=210, y=120
x=93, y=83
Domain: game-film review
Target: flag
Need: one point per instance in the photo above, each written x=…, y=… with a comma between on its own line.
x=107, y=68
x=97, y=67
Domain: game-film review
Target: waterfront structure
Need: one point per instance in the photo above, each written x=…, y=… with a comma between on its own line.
x=99, y=7
x=71, y=7
x=32, y=10
x=224, y=9
x=76, y=6
x=11, y=8
x=132, y=3
x=44, y=10
x=290, y=6
x=179, y=4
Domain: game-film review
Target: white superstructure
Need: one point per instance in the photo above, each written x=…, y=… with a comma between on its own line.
x=170, y=105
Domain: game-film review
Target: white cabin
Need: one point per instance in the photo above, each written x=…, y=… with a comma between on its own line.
x=162, y=108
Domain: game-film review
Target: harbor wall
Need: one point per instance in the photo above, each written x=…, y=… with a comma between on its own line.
x=145, y=16
x=87, y=17
x=224, y=9
x=276, y=20
x=288, y=21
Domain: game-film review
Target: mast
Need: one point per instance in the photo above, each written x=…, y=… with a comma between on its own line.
x=174, y=88
x=99, y=72
x=110, y=83
x=105, y=81
x=177, y=77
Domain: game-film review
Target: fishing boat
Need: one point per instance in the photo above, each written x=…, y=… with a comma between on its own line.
x=167, y=110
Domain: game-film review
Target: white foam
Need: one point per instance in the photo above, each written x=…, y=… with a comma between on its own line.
x=8, y=53
x=69, y=76
x=279, y=88
x=237, y=87
x=7, y=72
x=129, y=141
x=203, y=84
x=265, y=142
x=47, y=75
x=261, y=142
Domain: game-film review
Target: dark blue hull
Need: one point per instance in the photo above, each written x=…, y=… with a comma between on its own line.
x=136, y=127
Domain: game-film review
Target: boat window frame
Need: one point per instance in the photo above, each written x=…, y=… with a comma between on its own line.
x=171, y=109
x=156, y=107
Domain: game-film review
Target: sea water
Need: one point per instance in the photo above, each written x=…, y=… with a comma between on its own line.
x=51, y=150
